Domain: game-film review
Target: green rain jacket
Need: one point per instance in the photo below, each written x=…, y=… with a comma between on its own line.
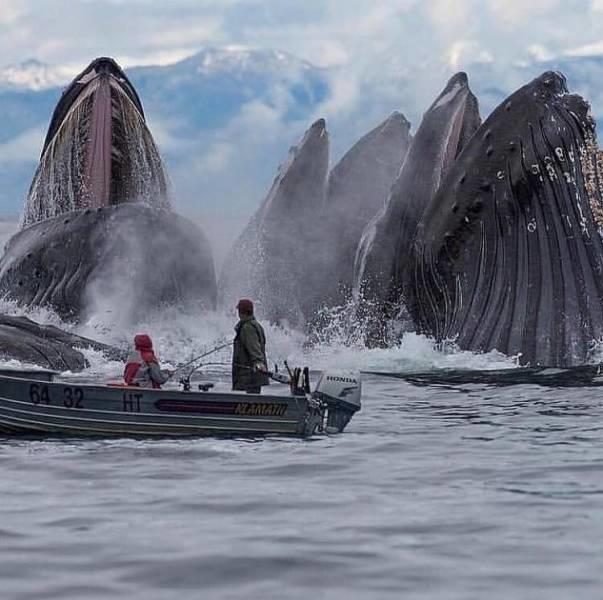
x=249, y=350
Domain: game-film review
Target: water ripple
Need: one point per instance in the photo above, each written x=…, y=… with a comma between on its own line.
x=433, y=493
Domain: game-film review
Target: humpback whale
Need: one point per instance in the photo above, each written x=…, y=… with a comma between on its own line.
x=97, y=220
x=508, y=255
x=267, y=262
x=295, y=255
x=384, y=249
x=47, y=346
x=357, y=188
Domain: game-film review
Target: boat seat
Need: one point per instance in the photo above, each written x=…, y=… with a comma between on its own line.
x=204, y=387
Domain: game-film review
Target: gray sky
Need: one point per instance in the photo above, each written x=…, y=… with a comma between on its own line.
x=354, y=33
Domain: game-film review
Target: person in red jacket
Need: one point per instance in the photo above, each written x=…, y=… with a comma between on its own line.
x=142, y=368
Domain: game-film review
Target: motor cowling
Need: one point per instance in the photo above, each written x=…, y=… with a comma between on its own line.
x=340, y=391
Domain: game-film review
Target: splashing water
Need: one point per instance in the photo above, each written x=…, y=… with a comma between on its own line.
x=58, y=184
x=150, y=183
x=178, y=337
x=596, y=352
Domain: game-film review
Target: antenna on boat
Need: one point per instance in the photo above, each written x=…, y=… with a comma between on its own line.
x=288, y=369
x=306, y=380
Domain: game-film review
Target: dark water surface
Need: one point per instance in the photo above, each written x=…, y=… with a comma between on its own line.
x=433, y=492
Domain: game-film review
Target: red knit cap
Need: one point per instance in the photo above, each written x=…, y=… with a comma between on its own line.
x=245, y=306
x=144, y=345
x=143, y=342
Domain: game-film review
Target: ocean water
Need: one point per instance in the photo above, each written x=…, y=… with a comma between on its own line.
x=433, y=492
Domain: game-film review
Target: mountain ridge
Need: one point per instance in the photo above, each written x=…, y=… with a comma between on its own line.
x=224, y=117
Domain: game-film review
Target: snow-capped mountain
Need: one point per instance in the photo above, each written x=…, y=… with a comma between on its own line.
x=34, y=75
x=225, y=117
x=211, y=87
x=243, y=60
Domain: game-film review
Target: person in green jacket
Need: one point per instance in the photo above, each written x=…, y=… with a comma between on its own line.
x=249, y=364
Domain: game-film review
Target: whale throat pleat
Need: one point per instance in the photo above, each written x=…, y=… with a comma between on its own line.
x=509, y=255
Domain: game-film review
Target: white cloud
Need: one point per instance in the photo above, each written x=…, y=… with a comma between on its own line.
x=10, y=11
x=360, y=18
x=329, y=53
x=344, y=92
x=185, y=34
x=587, y=50
x=513, y=12
x=463, y=53
x=539, y=52
x=352, y=33
x=162, y=130
x=215, y=159
x=449, y=14
x=160, y=57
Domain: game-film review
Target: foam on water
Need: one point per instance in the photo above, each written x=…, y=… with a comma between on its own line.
x=178, y=337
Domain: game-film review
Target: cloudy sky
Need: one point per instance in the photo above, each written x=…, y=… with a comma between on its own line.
x=325, y=32
x=374, y=41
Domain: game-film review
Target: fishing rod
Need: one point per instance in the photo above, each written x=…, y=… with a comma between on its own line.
x=274, y=375
x=190, y=362
x=292, y=381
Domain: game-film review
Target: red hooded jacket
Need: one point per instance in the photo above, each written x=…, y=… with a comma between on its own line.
x=142, y=357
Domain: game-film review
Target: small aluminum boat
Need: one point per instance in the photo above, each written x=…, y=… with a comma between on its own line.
x=39, y=402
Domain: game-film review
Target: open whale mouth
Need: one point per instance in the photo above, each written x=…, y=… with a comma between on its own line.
x=448, y=126
x=103, y=66
x=462, y=121
x=383, y=262
x=98, y=151
x=508, y=255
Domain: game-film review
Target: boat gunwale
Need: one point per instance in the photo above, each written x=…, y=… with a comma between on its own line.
x=196, y=394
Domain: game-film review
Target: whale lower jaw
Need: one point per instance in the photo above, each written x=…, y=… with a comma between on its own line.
x=130, y=256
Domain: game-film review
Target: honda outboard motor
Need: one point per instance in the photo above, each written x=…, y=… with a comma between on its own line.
x=340, y=391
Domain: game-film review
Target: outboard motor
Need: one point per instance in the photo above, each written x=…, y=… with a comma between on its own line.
x=340, y=391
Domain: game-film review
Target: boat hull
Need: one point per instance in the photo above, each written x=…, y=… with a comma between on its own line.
x=32, y=406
